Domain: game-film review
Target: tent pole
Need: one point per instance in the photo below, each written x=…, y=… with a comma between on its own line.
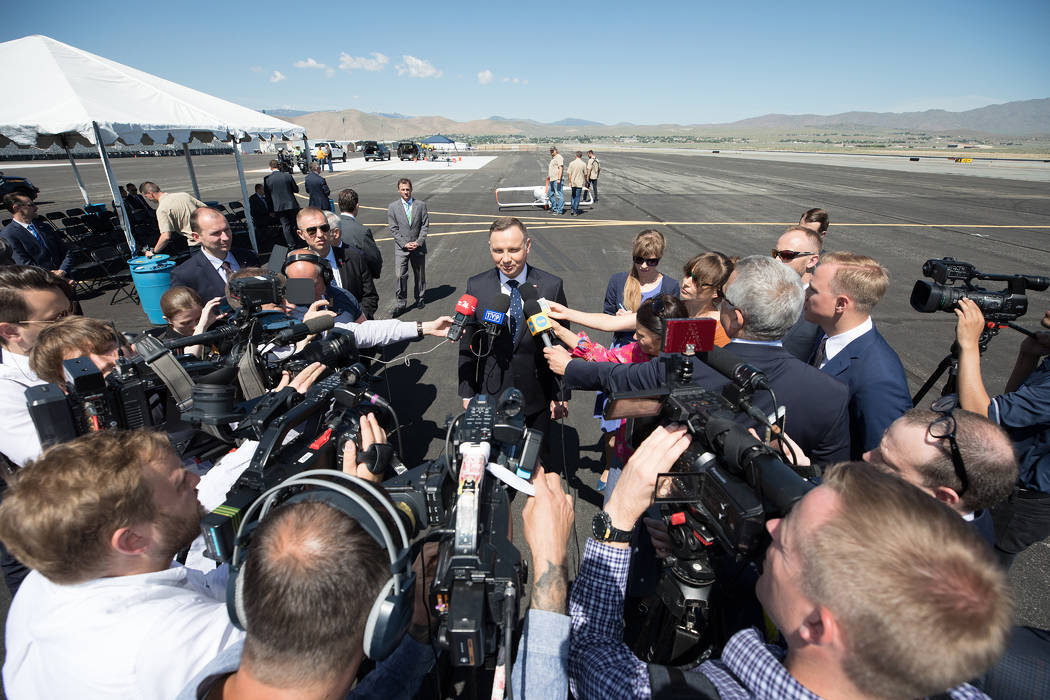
x=76, y=173
x=189, y=166
x=244, y=194
x=114, y=190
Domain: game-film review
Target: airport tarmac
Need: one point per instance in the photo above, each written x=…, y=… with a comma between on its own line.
x=734, y=203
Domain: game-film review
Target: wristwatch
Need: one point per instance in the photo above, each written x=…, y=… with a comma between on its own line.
x=419, y=329
x=603, y=531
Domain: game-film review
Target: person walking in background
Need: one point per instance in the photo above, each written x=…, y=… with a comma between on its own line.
x=317, y=188
x=555, y=170
x=593, y=168
x=280, y=189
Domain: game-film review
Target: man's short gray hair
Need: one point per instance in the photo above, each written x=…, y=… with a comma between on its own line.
x=333, y=219
x=769, y=295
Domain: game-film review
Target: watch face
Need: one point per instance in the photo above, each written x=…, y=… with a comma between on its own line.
x=600, y=525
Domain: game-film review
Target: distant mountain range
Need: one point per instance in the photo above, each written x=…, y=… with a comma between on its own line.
x=1012, y=118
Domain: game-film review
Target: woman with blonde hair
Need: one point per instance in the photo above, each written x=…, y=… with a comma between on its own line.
x=627, y=290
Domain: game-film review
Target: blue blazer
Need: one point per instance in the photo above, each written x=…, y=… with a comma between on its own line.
x=614, y=298
x=27, y=250
x=817, y=406
x=878, y=388
x=197, y=273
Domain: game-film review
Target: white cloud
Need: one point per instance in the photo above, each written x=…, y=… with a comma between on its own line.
x=309, y=63
x=329, y=71
x=485, y=77
x=351, y=63
x=277, y=77
x=417, y=68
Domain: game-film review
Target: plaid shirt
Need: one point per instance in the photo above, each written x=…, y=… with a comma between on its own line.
x=601, y=666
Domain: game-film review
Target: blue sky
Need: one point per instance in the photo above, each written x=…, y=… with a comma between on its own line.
x=641, y=62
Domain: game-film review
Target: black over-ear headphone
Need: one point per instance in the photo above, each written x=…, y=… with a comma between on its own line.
x=326, y=269
x=391, y=612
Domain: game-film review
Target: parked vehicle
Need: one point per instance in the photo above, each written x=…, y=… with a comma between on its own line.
x=338, y=152
x=374, y=150
x=406, y=150
x=21, y=185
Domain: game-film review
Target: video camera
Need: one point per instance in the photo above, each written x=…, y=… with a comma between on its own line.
x=722, y=490
x=943, y=293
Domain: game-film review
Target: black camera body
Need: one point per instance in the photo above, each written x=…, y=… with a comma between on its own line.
x=954, y=280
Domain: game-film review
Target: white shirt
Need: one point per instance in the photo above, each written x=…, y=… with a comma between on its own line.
x=136, y=637
x=336, y=281
x=379, y=332
x=20, y=443
x=837, y=343
x=217, y=264
x=503, y=279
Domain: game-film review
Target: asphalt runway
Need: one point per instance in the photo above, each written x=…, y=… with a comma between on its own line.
x=737, y=205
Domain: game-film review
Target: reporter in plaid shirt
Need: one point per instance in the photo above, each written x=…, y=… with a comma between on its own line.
x=879, y=590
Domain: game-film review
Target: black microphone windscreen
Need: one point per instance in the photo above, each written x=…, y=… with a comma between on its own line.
x=320, y=323
x=723, y=361
x=501, y=304
x=531, y=308
x=528, y=291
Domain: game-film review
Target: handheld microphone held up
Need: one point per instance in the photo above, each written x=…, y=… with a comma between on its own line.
x=539, y=323
x=732, y=367
x=298, y=331
x=465, y=308
x=219, y=334
x=495, y=316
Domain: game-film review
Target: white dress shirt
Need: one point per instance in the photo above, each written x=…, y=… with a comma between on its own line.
x=336, y=279
x=21, y=443
x=836, y=343
x=217, y=264
x=136, y=637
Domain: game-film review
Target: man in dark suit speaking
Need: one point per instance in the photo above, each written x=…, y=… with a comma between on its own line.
x=209, y=268
x=34, y=242
x=762, y=300
x=512, y=358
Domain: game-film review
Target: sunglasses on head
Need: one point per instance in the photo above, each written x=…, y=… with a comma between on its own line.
x=651, y=262
x=789, y=255
x=323, y=228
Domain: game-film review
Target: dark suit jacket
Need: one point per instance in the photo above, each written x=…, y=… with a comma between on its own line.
x=515, y=362
x=356, y=235
x=260, y=210
x=197, y=273
x=405, y=232
x=802, y=337
x=355, y=277
x=27, y=250
x=280, y=189
x=878, y=388
x=317, y=188
x=817, y=406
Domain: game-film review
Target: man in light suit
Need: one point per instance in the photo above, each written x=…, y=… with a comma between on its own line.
x=409, y=222
x=357, y=236
x=211, y=265
x=317, y=188
x=511, y=359
x=761, y=302
x=841, y=294
x=34, y=242
x=280, y=191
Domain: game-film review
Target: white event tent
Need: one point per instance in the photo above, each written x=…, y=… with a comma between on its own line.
x=72, y=97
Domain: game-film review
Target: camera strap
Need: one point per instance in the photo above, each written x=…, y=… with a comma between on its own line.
x=175, y=377
x=672, y=683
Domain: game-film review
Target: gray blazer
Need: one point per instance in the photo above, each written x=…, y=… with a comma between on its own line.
x=354, y=234
x=401, y=230
x=280, y=189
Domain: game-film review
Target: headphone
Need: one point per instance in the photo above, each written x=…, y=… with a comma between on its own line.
x=326, y=270
x=391, y=612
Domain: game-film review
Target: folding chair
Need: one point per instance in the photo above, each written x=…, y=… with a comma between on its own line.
x=112, y=262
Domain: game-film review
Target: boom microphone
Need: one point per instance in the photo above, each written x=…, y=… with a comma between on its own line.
x=729, y=365
x=208, y=338
x=539, y=323
x=495, y=317
x=298, y=331
x=465, y=308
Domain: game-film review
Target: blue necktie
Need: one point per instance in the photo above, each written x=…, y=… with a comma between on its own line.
x=39, y=238
x=515, y=309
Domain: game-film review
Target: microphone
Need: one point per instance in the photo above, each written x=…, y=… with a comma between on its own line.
x=742, y=374
x=297, y=331
x=539, y=323
x=528, y=292
x=465, y=308
x=495, y=317
x=219, y=334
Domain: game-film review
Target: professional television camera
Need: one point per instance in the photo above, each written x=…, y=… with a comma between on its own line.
x=954, y=280
x=720, y=491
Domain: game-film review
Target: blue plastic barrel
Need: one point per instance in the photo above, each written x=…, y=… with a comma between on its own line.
x=152, y=277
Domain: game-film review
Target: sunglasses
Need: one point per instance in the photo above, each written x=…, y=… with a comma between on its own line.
x=65, y=314
x=651, y=262
x=789, y=255
x=312, y=230
x=943, y=428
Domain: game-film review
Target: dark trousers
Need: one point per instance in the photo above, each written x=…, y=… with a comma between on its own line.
x=1021, y=521
x=594, y=190
x=288, y=227
x=418, y=259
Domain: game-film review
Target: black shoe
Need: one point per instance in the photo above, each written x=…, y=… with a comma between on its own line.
x=398, y=310
x=419, y=303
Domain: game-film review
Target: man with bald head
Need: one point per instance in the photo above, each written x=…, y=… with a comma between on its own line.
x=799, y=248
x=209, y=268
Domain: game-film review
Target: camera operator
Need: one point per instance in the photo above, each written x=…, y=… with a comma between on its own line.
x=1024, y=411
x=72, y=337
x=760, y=303
x=309, y=581
x=867, y=611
